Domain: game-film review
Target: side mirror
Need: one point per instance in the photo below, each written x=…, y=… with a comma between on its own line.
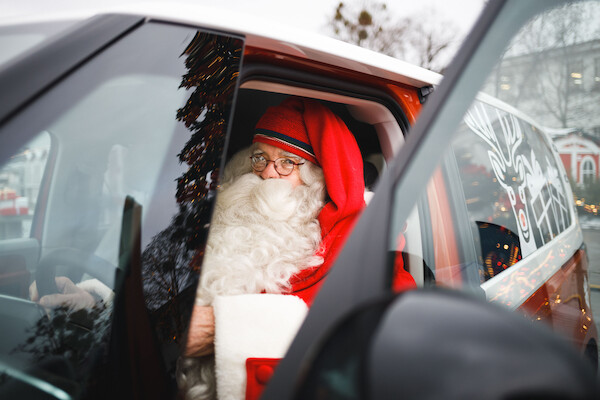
x=438, y=344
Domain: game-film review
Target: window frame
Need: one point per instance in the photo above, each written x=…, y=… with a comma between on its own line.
x=575, y=83
x=391, y=134
x=587, y=175
x=596, y=83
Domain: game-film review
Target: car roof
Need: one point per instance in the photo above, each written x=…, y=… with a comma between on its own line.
x=266, y=34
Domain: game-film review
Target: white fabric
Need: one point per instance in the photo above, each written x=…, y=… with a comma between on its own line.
x=251, y=325
x=97, y=288
x=368, y=195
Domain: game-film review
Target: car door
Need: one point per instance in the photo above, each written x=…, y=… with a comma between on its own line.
x=362, y=273
x=109, y=157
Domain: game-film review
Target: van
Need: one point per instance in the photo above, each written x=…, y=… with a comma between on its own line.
x=114, y=133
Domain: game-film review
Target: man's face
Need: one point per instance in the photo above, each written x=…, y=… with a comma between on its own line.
x=272, y=153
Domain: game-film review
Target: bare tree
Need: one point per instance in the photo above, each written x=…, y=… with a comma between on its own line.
x=424, y=39
x=432, y=39
x=543, y=71
x=369, y=26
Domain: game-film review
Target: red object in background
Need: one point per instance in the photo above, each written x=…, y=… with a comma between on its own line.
x=11, y=204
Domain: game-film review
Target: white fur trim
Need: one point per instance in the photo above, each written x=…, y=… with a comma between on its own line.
x=368, y=195
x=251, y=325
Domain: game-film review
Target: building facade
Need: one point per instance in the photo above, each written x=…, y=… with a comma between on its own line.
x=580, y=154
x=558, y=87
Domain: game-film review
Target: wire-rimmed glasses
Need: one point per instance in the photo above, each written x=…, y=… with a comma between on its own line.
x=284, y=166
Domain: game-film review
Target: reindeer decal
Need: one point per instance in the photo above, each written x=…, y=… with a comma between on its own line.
x=536, y=194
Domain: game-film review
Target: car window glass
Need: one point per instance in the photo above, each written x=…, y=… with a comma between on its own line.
x=20, y=181
x=338, y=373
x=502, y=195
x=143, y=123
x=17, y=39
x=514, y=189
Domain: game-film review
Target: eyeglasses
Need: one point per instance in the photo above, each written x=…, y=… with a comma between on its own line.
x=283, y=166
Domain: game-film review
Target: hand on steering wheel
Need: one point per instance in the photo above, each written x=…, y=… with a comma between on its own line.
x=68, y=294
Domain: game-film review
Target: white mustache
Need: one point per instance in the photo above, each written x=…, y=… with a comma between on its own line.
x=272, y=199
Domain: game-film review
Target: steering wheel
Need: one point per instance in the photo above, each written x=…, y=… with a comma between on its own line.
x=77, y=262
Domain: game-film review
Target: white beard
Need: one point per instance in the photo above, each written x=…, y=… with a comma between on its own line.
x=262, y=233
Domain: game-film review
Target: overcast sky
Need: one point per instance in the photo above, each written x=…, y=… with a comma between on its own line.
x=306, y=14
x=311, y=15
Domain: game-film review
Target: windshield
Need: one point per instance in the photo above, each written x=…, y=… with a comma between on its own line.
x=110, y=180
x=17, y=39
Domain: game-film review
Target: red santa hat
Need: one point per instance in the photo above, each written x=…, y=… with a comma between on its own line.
x=312, y=131
x=283, y=126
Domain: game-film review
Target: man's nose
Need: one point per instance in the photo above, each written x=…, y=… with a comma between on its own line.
x=269, y=172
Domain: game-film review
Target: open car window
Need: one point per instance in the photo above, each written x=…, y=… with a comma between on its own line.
x=461, y=153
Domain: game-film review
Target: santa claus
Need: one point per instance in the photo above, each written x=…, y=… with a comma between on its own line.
x=284, y=209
